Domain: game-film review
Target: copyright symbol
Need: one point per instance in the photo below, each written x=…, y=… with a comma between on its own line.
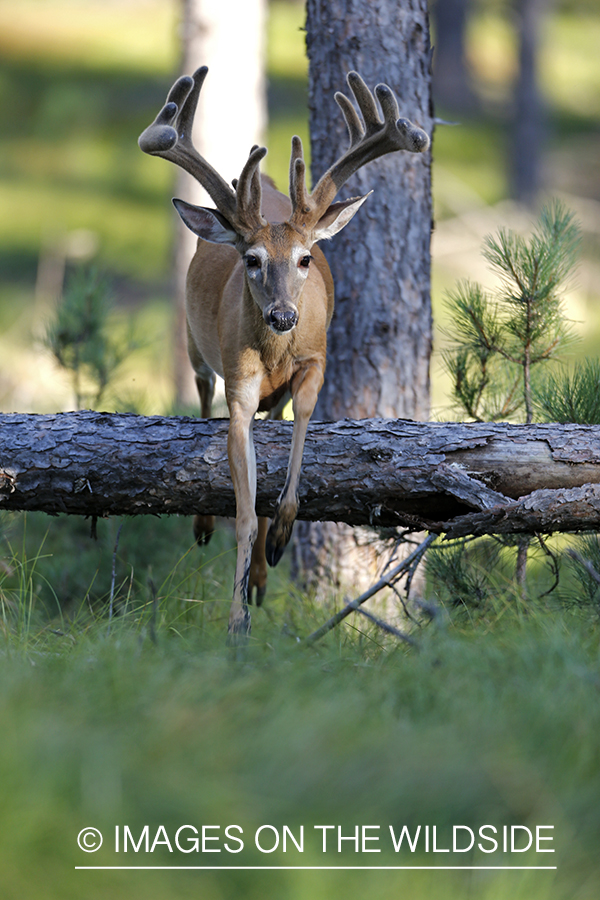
x=89, y=839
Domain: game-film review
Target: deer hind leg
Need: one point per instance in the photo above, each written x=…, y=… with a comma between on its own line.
x=204, y=525
x=257, y=584
x=305, y=390
x=257, y=580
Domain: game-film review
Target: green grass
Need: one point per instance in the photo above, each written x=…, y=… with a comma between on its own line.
x=148, y=719
x=497, y=723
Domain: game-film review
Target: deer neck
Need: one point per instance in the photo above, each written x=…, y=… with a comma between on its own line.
x=274, y=349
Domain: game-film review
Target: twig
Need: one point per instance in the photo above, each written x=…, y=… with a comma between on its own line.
x=403, y=603
x=385, y=626
x=430, y=609
x=521, y=565
x=112, y=580
x=378, y=586
x=554, y=565
x=402, y=537
x=410, y=575
x=153, y=611
x=586, y=565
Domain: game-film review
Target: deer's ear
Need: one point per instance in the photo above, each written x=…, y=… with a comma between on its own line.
x=208, y=224
x=337, y=217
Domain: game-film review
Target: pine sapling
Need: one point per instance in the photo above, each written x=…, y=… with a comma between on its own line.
x=497, y=340
x=80, y=340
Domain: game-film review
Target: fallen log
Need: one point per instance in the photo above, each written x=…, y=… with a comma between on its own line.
x=441, y=476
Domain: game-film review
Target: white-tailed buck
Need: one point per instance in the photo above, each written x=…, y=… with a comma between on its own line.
x=260, y=296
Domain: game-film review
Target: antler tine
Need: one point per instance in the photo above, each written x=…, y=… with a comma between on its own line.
x=160, y=137
x=255, y=185
x=298, y=193
x=366, y=102
x=387, y=102
x=169, y=136
x=353, y=123
x=369, y=138
x=248, y=191
x=190, y=104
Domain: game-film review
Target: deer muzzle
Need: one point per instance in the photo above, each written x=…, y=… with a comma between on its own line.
x=281, y=319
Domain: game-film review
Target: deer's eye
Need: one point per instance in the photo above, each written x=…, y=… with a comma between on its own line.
x=252, y=262
x=305, y=262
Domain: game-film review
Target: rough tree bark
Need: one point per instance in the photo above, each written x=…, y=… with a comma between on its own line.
x=445, y=477
x=380, y=337
x=228, y=36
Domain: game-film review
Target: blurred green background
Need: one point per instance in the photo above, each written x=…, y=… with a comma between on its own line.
x=495, y=720
x=80, y=79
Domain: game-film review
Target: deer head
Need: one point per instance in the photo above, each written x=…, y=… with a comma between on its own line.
x=277, y=255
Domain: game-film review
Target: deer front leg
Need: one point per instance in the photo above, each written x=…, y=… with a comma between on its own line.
x=242, y=463
x=258, y=568
x=204, y=525
x=305, y=389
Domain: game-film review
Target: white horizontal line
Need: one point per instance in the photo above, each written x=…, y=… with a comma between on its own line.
x=327, y=868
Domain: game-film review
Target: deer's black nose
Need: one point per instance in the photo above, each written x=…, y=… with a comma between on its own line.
x=282, y=320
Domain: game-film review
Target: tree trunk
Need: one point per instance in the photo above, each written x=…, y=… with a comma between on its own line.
x=228, y=36
x=451, y=87
x=444, y=477
x=380, y=337
x=528, y=132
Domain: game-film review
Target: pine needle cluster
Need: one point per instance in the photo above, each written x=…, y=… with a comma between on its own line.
x=571, y=396
x=498, y=340
x=464, y=572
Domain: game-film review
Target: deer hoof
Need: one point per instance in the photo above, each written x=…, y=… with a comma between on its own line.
x=238, y=629
x=257, y=581
x=277, y=539
x=204, y=527
x=273, y=552
x=259, y=595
